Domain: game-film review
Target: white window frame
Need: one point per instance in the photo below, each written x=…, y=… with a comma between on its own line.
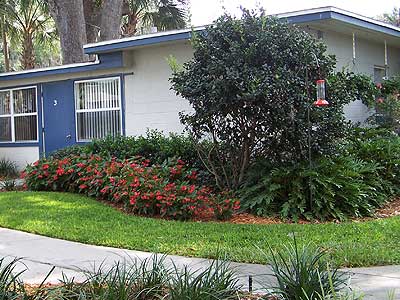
x=76, y=83
x=12, y=115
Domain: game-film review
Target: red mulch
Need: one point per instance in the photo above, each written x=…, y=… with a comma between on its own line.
x=390, y=209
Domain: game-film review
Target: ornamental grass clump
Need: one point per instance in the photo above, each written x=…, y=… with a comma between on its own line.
x=168, y=190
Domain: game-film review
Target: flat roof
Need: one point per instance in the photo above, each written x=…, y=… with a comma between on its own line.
x=295, y=17
x=113, y=46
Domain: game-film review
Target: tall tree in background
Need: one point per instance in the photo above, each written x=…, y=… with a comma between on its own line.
x=391, y=18
x=25, y=23
x=89, y=21
x=78, y=22
x=70, y=21
x=4, y=42
x=163, y=14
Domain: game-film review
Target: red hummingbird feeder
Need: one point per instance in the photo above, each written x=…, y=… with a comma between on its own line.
x=321, y=101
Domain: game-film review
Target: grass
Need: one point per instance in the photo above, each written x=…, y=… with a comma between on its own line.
x=78, y=218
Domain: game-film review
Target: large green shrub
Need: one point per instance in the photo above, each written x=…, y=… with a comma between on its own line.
x=250, y=83
x=342, y=187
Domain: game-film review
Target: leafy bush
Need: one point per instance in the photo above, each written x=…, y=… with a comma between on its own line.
x=251, y=82
x=341, y=187
x=8, y=168
x=382, y=147
x=155, y=146
x=167, y=190
x=305, y=273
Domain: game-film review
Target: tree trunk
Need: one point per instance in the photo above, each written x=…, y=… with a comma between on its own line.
x=110, y=19
x=69, y=18
x=5, y=46
x=28, y=56
x=92, y=18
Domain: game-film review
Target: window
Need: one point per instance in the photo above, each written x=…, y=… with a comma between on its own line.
x=18, y=115
x=379, y=74
x=98, y=108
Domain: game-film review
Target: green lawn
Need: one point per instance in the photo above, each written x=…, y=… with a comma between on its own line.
x=77, y=218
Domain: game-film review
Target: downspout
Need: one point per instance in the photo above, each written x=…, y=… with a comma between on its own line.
x=386, y=61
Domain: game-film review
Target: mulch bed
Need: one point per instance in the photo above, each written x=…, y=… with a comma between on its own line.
x=391, y=209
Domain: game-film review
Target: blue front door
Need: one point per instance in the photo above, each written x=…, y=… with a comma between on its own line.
x=59, y=115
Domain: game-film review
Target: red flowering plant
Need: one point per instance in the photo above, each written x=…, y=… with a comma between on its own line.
x=168, y=190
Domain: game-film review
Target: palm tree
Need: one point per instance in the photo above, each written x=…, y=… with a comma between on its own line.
x=140, y=15
x=29, y=23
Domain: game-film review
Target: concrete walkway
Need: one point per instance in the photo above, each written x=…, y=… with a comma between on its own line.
x=41, y=253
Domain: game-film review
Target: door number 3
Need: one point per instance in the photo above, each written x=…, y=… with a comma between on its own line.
x=55, y=102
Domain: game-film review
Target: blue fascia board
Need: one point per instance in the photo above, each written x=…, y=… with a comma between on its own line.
x=364, y=24
x=308, y=17
x=139, y=42
x=106, y=61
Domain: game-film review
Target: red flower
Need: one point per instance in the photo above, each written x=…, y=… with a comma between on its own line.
x=83, y=186
x=60, y=171
x=45, y=166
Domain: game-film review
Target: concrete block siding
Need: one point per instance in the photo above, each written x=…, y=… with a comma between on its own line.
x=20, y=155
x=150, y=103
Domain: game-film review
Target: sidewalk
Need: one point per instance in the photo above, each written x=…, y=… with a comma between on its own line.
x=41, y=253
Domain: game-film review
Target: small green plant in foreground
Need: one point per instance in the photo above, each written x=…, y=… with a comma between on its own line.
x=304, y=273
x=8, y=169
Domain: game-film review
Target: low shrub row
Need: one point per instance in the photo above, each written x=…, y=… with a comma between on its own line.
x=154, y=145
x=168, y=190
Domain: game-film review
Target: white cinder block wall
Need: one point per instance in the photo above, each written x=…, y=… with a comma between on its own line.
x=20, y=155
x=149, y=101
x=368, y=55
x=151, y=104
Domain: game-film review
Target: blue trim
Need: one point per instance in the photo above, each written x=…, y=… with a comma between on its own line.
x=17, y=144
x=123, y=44
x=123, y=104
x=309, y=18
x=106, y=61
x=39, y=90
x=365, y=24
x=299, y=19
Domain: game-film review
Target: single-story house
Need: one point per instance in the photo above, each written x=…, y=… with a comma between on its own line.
x=126, y=90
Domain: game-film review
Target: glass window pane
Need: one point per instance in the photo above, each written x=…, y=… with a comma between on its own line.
x=96, y=125
x=24, y=101
x=25, y=128
x=4, y=102
x=5, y=129
x=99, y=94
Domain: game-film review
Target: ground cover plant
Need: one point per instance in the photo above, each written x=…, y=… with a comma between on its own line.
x=168, y=190
x=342, y=187
x=80, y=218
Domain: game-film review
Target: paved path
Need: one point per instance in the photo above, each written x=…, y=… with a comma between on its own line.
x=41, y=253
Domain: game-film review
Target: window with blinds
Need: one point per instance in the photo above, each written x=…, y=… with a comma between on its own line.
x=18, y=115
x=98, y=108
